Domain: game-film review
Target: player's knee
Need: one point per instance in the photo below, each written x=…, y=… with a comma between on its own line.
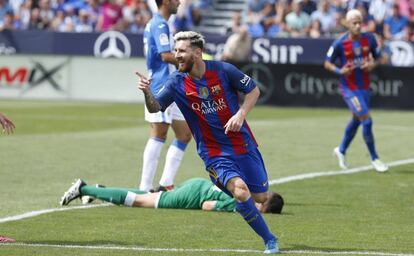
x=185, y=138
x=240, y=190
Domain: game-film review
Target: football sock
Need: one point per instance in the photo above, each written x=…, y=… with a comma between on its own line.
x=349, y=135
x=150, y=162
x=113, y=195
x=369, y=137
x=254, y=218
x=172, y=162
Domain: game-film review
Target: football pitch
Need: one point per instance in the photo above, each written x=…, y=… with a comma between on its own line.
x=327, y=211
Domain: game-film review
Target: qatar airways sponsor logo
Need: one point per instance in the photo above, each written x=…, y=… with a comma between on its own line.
x=209, y=106
x=306, y=84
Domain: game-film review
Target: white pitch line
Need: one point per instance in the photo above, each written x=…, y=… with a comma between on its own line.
x=44, y=211
x=332, y=173
x=124, y=248
x=272, y=182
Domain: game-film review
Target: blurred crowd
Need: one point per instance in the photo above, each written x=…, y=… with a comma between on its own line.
x=390, y=19
x=89, y=15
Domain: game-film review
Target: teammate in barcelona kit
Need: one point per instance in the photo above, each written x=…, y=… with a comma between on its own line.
x=206, y=93
x=357, y=53
x=160, y=63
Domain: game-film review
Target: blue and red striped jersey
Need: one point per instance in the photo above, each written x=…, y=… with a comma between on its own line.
x=207, y=104
x=354, y=52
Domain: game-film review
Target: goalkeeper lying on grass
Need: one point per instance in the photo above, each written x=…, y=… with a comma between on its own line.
x=195, y=193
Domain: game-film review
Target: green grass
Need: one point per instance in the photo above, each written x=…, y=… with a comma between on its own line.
x=56, y=142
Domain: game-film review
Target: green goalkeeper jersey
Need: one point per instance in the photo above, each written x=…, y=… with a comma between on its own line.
x=192, y=193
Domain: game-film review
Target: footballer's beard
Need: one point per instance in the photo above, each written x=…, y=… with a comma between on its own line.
x=186, y=67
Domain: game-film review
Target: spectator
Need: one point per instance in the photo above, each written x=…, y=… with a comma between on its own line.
x=58, y=23
x=368, y=22
x=325, y=16
x=297, y=21
x=340, y=26
x=259, y=10
x=92, y=8
x=8, y=22
x=36, y=22
x=4, y=9
x=110, y=16
x=187, y=16
x=71, y=18
x=238, y=46
x=380, y=9
x=385, y=50
x=308, y=6
x=142, y=15
x=315, y=29
x=396, y=26
x=83, y=24
x=235, y=24
x=45, y=12
x=24, y=13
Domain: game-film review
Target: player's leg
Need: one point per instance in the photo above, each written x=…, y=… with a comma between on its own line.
x=226, y=174
x=177, y=148
x=368, y=134
x=114, y=195
x=159, y=123
x=118, y=196
x=351, y=129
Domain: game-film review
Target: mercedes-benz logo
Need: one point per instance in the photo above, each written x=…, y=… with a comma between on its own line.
x=107, y=45
x=402, y=54
x=263, y=77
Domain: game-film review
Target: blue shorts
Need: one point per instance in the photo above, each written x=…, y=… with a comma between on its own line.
x=358, y=102
x=249, y=167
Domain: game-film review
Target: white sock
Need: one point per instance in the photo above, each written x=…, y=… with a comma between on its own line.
x=130, y=199
x=172, y=163
x=150, y=163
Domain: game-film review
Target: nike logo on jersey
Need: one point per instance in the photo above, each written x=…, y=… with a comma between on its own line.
x=264, y=183
x=161, y=25
x=190, y=93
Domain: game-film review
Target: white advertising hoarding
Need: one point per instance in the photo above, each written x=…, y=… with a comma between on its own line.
x=70, y=78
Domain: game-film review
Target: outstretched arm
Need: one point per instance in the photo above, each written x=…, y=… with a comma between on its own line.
x=144, y=85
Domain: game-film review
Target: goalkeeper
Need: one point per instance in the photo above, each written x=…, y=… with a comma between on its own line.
x=195, y=193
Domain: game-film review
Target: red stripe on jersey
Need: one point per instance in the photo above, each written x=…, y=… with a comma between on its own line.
x=224, y=114
x=365, y=55
x=190, y=90
x=349, y=55
x=250, y=131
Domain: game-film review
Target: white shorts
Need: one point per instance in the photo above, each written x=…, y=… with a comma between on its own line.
x=170, y=114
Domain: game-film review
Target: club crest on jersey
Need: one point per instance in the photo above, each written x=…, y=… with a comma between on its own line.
x=204, y=92
x=216, y=90
x=357, y=51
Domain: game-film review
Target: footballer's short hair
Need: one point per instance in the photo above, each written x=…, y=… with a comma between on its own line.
x=353, y=13
x=273, y=204
x=196, y=39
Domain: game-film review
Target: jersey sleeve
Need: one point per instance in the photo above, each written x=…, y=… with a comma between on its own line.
x=333, y=52
x=225, y=205
x=237, y=79
x=161, y=34
x=165, y=95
